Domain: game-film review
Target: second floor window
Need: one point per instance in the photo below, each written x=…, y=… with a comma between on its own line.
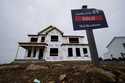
x=73, y=40
x=42, y=39
x=33, y=40
x=54, y=38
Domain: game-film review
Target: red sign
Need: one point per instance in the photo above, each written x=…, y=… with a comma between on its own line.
x=88, y=18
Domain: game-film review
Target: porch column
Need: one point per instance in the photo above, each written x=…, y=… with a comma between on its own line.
x=44, y=52
x=37, y=54
x=26, y=53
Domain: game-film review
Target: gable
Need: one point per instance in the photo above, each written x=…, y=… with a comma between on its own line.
x=44, y=31
x=54, y=32
x=49, y=29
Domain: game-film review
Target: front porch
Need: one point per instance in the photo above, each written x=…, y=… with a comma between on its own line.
x=33, y=50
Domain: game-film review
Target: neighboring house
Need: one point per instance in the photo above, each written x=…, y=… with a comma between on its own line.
x=116, y=48
x=51, y=44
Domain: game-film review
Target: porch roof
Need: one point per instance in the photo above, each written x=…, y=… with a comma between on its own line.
x=32, y=44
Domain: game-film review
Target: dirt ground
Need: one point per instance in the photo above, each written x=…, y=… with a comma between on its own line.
x=62, y=72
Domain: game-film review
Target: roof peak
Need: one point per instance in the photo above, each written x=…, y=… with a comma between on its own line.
x=48, y=29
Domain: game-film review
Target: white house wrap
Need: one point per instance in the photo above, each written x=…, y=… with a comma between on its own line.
x=51, y=44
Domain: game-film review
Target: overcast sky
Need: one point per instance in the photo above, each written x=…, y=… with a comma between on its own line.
x=21, y=17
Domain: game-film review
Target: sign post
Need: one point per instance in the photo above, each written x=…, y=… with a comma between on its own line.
x=89, y=19
x=92, y=46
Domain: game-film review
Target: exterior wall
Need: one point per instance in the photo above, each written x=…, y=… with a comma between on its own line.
x=53, y=45
x=82, y=40
x=74, y=57
x=65, y=39
x=116, y=47
x=39, y=39
x=63, y=50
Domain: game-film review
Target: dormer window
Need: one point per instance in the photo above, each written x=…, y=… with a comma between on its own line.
x=33, y=39
x=54, y=38
x=73, y=40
